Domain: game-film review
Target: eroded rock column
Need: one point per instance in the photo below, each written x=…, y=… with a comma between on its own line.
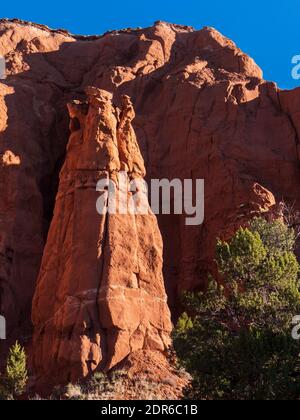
x=100, y=295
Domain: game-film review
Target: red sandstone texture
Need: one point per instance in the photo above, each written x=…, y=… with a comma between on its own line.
x=203, y=110
x=100, y=294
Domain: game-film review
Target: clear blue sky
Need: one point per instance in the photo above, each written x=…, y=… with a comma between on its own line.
x=266, y=30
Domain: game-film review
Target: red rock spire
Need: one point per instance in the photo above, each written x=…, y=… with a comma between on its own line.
x=100, y=295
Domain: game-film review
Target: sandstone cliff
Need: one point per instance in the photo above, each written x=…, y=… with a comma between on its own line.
x=203, y=110
x=100, y=294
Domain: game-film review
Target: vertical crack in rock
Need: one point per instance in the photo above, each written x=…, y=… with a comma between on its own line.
x=100, y=295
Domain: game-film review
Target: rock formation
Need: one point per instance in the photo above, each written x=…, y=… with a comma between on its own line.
x=203, y=110
x=100, y=294
x=130, y=157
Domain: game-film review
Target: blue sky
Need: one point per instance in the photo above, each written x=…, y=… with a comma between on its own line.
x=266, y=30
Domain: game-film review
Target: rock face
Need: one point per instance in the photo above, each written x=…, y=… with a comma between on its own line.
x=100, y=294
x=203, y=111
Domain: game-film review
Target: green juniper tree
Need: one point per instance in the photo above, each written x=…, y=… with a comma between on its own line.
x=235, y=339
x=13, y=382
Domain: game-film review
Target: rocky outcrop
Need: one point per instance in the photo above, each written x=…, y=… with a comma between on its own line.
x=203, y=110
x=100, y=294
